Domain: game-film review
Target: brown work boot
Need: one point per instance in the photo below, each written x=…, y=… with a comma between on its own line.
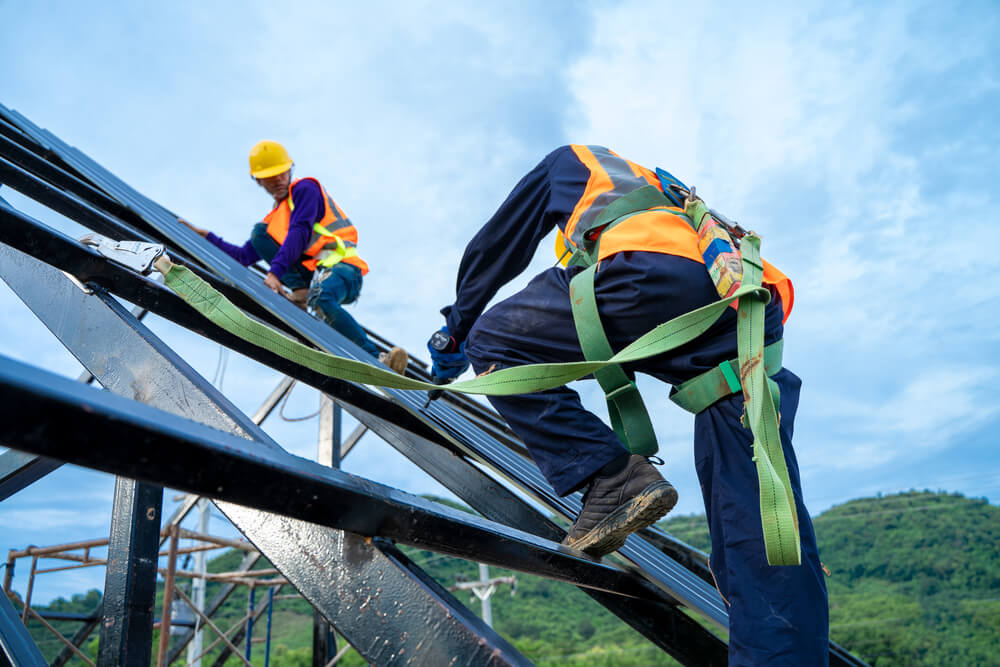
x=396, y=359
x=619, y=502
x=299, y=297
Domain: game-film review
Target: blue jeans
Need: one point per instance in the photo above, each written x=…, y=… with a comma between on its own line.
x=328, y=288
x=331, y=287
x=297, y=276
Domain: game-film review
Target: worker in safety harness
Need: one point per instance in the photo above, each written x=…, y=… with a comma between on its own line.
x=310, y=246
x=647, y=268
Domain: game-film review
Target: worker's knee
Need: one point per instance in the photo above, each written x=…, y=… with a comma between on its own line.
x=265, y=246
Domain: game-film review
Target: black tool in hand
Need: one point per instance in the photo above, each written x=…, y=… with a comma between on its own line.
x=441, y=342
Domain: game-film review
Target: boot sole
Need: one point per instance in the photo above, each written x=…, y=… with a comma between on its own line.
x=645, y=509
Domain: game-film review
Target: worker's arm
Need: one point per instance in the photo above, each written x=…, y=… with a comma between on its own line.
x=505, y=245
x=245, y=254
x=308, y=198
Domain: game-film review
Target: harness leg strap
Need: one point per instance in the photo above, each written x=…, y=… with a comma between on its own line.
x=629, y=417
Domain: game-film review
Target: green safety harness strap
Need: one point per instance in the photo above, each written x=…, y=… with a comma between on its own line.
x=629, y=417
x=779, y=518
x=505, y=382
x=777, y=509
x=700, y=392
x=748, y=373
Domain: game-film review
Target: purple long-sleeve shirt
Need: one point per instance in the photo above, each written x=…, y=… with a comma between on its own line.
x=308, y=211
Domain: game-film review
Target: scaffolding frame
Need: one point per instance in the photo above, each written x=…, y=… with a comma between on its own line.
x=251, y=579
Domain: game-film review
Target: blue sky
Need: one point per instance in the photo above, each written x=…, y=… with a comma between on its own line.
x=859, y=140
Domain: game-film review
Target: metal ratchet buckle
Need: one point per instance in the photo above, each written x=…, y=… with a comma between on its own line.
x=734, y=228
x=136, y=255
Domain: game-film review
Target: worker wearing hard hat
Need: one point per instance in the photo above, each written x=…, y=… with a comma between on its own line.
x=309, y=244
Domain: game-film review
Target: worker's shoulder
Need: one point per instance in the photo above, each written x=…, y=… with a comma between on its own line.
x=574, y=153
x=306, y=183
x=562, y=152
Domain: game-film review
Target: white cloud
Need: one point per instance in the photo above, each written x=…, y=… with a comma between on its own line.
x=787, y=122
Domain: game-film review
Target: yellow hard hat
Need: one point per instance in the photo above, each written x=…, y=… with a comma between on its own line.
x=269, y=158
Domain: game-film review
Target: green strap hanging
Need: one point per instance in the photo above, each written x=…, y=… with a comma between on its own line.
x=778, y=514
x=629, y=417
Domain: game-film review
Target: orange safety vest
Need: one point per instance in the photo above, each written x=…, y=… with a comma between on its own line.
x=662, y=229
x=337, y=225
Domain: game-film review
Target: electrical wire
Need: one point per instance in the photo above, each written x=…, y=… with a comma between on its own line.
x=220, y=367
x=281, y=408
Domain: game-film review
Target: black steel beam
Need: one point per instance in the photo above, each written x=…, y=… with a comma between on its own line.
x=129, y=360
x=389, y=588
x=16, y=646
x=19, y=154
x=130, y=578
x=124, y=279
x=106, y=432
x=38, y=240
x=18, y=470
x=100, y=222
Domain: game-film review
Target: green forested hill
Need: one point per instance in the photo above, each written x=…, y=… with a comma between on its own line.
x=915, y=577
x=915, y=580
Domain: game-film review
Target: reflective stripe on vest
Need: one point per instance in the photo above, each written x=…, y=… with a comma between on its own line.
x=610, y=178
x=662, y=229
x=339, y=241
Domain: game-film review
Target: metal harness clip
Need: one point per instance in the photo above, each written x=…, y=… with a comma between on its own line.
x=136, y=255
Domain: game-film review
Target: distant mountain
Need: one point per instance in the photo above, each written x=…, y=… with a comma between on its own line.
x=915, y=580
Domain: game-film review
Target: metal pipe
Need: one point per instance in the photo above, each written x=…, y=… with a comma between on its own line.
x=31, y=586
x=168, y=596
x=59, y=636
x=270, y=613
x=250, y=621
x=212, y=625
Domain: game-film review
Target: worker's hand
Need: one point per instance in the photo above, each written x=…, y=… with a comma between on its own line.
x=447, y=355
x=274, y=284
x=197, y=230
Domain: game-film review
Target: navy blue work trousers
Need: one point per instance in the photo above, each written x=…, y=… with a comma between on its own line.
x=778, y=615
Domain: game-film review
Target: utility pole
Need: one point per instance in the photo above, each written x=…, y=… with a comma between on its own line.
x=484, y=588
x=198, y=584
